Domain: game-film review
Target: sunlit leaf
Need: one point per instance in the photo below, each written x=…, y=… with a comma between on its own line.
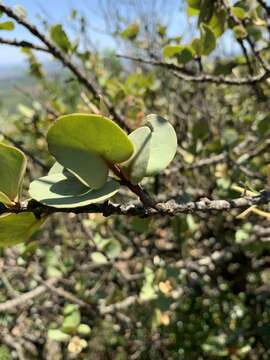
x=217, y=22
x=163, y=144
x=17, y=228
x=206, y=43
x=184, y=53
x=131, y=31
x=12, y=169
x=136, y=167
x=239, y=12
x=84, y=329
x=98, y=258
x=85, y=143
x=66, y=191
x=7, y=25
x=58, y=335
x=71, y=322
x=59, y=36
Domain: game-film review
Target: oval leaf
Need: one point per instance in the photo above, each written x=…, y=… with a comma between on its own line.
x=65, y=191
x=7, y=25
x=136, y=167
x=59, y=36
x=163, y=144
x=84, y=143
x=17, y=228
x=12, y=169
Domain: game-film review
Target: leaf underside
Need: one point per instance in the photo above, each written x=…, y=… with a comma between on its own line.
x=61, y=191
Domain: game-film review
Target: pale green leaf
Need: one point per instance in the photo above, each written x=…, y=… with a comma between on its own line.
x=112, y=248
x=98, y=258
x=71, y=322
x=136, y=167
x=84, y=329
x=58, y=335
x=59, y=36
x=163, y=144
x=85, y=143
x=239, y=12
x=172, y=50
x=65, y=191
x=184, y=53
x=17, y=228
x=12, y=170
x=56, y=169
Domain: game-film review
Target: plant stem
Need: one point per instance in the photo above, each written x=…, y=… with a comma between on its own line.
x=136, y=189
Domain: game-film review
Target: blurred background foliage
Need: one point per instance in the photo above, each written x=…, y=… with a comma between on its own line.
x=194, y=286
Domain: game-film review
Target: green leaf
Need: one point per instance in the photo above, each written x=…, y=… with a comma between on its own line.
x=184, y=53
x=148, y=291
x=163, y=144
x=136, y=167
x=239, y=12
x=85, y=143
x=171, y=50
x=71, y=322
x=207, y=42
x=240, y=32
x=218, y=22
x=131, y=31
x=206, y=11
x=5, y=352
x=7, y=25
x=112, y=248
x=12, y=170
x=17, y=228
x=59, y=36
x=98, y=258
x=65, y=191
x=208, y=39
x=192, y=11
x=70, y=308
x=195, y=4
x=58, y=335
x=84, y=329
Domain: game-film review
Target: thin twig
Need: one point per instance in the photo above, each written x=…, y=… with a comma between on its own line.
x=182, y=74
x=23, y=44
x=21, y=300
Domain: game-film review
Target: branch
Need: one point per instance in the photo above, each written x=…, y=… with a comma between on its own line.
x=65, y=60
x=28, y=153
x=185, y=75
x=24, y=298
x=23, y=43
x=167, y=208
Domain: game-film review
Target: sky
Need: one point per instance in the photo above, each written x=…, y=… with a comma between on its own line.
x=58, y=11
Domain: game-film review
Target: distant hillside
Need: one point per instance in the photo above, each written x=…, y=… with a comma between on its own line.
x=16, y=77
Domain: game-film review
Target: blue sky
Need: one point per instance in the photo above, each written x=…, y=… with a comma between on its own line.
x=59, y=10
